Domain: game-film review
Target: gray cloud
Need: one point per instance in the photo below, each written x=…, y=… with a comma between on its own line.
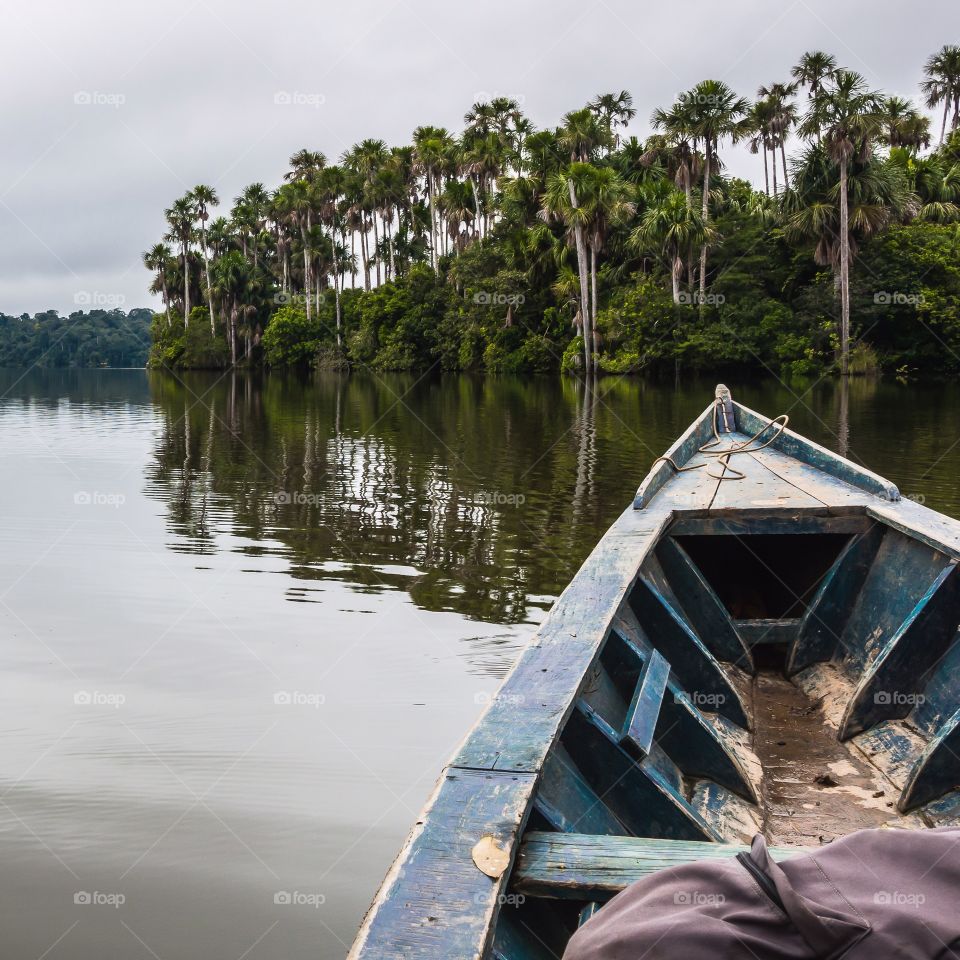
x=112, y=110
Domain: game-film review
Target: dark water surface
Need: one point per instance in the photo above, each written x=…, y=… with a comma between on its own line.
x=245, y=621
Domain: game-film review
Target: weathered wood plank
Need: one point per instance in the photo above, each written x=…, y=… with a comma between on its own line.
x=757, y=632
x=691, y=741
x=568, y=802
x=733, y=818
x=435, y=902
x=692, y=662
x=644, y=795
x=767, y=522
x=808, y=452
x=701, y=606
x=525, y=717
x=902, y=571
x=597, y=868
x=917, y=521
x=588, y=912
x=760, y=488
x=937, y=771
x=825, y=619
x=682, y=453
x=941, y=695
x=896, y=677
x=644, y=710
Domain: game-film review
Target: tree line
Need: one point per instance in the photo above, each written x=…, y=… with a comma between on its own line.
x=94, y=338
x=580, y=248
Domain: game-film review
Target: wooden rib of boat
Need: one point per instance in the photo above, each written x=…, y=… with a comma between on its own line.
x=775, y=653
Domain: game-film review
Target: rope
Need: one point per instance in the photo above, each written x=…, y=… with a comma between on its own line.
x=723, y=456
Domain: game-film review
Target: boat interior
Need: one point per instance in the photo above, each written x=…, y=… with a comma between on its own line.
x=798, y=677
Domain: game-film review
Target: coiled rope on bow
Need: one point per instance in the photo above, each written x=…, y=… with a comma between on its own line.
x=723, y=456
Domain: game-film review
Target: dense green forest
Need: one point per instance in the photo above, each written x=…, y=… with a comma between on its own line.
x=98, y=338
x=508, y=248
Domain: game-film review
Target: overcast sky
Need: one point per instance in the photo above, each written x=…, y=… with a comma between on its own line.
x=111, y=110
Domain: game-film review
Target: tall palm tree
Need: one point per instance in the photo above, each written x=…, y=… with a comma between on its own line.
x=756, y=130
x=582, y=134
x=180, y=217
x=204, y=198
x=367, y=158
x=255, y=201
x=678, y=145
x=157, y=259
x=561, y=203
x=813, y=70
x=298, y=199
x=615, y=110
x=942, y=84
x=608, y=201
x=783, y=116
x=715, y=112
x=849, y=117
x=233, y=280
x=670, y=226
x=431, y=145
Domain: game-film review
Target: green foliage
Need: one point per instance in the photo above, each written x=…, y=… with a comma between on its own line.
x=291, y=339
x=192, y=349
x=98, y=338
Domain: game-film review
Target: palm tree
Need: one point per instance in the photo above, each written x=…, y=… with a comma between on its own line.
x=813, y=70
x=430, y=149
x=615, y=110
x=305, y=165
x=935, y=182
x=849, y=117
x=560, y=203
x=180, y=217
x=483, y=161
x=157, y=259
x=672, y=227
x=942, y=84
x=582, y=134
x=715, y=112
x=233, y=280
x=367, y=159
x=677, y=146
x=297, y=198
x=204, y=198
x=783, y=116
x=253, y=203
x=756, y=130
x=904, y=125
x=607, y=199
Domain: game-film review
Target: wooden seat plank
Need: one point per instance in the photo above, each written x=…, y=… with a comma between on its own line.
x=583, y=867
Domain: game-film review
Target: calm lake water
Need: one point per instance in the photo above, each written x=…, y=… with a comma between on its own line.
x=245, y=621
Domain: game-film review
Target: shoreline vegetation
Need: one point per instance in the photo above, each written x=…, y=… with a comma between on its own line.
x=578, y=249
x=83, y=339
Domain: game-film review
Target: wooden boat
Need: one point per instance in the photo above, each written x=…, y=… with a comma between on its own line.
x=765, y=640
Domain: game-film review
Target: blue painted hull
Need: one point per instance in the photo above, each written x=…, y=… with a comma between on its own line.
x=774, y=653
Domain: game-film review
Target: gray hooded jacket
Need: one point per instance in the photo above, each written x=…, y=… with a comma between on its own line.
x=875, y=894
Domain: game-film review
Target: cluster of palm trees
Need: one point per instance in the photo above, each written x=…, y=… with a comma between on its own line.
x=567, y=205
